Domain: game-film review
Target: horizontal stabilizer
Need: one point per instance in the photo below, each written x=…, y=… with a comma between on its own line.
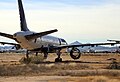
x=37, y=35
x=6, y=35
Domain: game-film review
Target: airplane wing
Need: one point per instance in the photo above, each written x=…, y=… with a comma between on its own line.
x=3, y=43
x=83, y=45
x=15, y=44
x=36, y=35
x=6, y=35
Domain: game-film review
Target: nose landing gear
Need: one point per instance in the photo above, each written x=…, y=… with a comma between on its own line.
x=58, y=59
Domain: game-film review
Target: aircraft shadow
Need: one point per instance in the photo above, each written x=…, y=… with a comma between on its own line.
x=72, y=61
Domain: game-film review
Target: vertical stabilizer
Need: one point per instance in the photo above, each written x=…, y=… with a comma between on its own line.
x=23, y=23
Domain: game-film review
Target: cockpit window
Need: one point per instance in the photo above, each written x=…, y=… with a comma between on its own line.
x=63, y=40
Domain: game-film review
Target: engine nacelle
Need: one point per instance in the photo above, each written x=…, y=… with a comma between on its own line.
x=75, y=53
x=17, y=47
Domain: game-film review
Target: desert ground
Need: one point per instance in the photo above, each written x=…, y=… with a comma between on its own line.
x=89, y=68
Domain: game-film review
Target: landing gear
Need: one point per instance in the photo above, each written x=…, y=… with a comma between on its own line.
x=36, y=54
x=75, y=53
x=26, y=59
x=58, y=59
x=45, y=55
x=27, y=54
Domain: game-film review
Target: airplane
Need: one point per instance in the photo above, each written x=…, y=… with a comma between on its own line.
x=42, y=42
x=117, y=41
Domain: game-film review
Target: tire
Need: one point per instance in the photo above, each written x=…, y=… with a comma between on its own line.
x=75, y=56
x=58, y=60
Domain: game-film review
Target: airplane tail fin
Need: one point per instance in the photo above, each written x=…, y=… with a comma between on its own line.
x=23, y=23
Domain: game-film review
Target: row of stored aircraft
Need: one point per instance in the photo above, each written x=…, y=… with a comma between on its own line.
x=42, y=42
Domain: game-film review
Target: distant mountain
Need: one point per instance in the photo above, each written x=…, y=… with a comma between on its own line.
x=75, y=43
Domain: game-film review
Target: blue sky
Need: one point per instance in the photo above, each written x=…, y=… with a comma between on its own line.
x=73, y=2
x=82, y=2
x=57, y=3
x=82, y=20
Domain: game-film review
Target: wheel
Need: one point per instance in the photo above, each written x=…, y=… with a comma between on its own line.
x=58, y=60
x=75, y=53
x=45, y=55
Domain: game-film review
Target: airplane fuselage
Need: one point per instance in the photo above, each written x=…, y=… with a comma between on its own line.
x=44, y=41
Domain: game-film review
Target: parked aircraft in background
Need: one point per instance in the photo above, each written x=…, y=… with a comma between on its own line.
x=117, y=41
x=41, y=42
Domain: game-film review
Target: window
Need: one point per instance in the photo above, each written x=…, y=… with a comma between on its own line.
x=63, y=40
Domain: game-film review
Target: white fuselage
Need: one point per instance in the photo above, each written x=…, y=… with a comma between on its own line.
x=44, y=41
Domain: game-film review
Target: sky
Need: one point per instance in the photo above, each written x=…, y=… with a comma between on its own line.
x=85, y=21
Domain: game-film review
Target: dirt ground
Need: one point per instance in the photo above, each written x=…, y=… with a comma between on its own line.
x=59, y=79
x=89, y=68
